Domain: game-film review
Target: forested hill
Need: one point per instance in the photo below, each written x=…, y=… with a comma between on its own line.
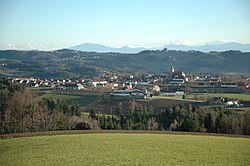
x=71, y=63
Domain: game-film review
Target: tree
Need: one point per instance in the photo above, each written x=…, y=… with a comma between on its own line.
x=165, y=118
x=209, y=122
x=150, y=110
x=92, y=114
x=194, y=122
x=21, y=111
x=116, y=122
x=75, y=110
x=83, y=126
x=129, y=124
x=246, y=124
x=173, y=125
x=152, y=124
x=110, y=123
x=119, y=110
x=123, y=121
x=221, y=123
x=131, y=107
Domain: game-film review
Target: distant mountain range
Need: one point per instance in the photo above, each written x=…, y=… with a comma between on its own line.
x=91, y=47
x=101, y=48
x=214, y=46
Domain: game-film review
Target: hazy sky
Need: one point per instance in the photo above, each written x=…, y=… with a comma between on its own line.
x=46, y=24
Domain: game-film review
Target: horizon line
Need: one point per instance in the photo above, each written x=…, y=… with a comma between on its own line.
x=51, y=47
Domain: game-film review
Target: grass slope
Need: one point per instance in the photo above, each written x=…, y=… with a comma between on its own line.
x=125, y=149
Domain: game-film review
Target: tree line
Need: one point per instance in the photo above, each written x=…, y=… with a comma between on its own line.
x=21, y=111
x=176, y=118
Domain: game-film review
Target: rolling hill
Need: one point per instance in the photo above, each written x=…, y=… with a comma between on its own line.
x=67, y=63
x=125, y=149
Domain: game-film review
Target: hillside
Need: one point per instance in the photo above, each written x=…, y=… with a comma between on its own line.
x=125, y=149
x=71, y=63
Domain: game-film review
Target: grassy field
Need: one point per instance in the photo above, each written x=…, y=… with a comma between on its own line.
x=40, y=89
x=175, y=98
x=83, y=100
x=125, y=149
x=245, y=97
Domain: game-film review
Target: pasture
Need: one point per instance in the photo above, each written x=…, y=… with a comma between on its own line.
x=245, y=97
x=125, y=149
x=83, y=100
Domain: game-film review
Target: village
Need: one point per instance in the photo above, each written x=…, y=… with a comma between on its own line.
x=122, y=82
x=175, y=83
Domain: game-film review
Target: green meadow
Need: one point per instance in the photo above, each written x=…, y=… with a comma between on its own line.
x=83, y=100
x=239, y=96
x=125, y=149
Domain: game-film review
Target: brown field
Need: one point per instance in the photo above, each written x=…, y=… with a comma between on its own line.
x=108, y=105
x=163, y=103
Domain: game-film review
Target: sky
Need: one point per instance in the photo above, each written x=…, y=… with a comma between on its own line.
x=54, y=24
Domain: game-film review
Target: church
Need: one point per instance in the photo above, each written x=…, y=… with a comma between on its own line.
x=177, y=77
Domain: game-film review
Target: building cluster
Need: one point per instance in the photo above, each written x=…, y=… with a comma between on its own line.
x=175, y=83
x=228, y=102
x=58, y=84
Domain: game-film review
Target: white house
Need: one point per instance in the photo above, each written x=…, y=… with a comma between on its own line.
x=173, y=93
x=70, y=86
x=95, y=83
x=128, y=93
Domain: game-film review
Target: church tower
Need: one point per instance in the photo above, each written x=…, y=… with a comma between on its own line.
x=171, y=72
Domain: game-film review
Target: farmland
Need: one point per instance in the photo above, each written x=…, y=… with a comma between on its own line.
x=83, y=100
x=164, y=102
x=125, y=149
x=109, y=104
x=245, y=97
